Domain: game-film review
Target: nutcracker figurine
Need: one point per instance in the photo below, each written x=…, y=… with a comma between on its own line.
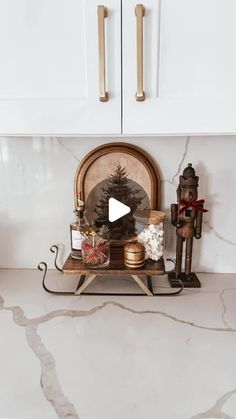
x=186, y=216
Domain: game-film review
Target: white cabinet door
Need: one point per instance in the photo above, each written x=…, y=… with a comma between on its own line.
x=49, y=79
x=189, y=67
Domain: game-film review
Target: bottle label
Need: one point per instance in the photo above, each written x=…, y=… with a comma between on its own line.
x=76, y=239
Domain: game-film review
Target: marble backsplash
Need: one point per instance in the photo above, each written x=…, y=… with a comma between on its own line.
x=36, y=195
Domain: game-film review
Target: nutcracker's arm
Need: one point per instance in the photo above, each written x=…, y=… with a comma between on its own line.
x=198, y=229
x=174, y=214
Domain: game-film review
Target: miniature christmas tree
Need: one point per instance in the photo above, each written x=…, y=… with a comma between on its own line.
x=123, y=189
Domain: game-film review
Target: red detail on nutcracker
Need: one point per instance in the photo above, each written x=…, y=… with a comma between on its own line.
x=192, y=204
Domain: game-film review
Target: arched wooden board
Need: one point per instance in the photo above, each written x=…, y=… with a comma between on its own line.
x=98, y=164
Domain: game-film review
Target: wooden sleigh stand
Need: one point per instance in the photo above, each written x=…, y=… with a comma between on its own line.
x=87, y=174
x=116, y=268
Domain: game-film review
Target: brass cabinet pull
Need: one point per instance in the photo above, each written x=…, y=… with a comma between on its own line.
x=140, y=12
x=102, y=14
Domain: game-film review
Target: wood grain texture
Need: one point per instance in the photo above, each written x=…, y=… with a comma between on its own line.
x=116, y=267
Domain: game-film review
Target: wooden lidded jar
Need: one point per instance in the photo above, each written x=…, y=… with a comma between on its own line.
x=134, y=255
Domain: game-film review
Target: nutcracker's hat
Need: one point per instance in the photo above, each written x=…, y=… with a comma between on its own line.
x=188, y=179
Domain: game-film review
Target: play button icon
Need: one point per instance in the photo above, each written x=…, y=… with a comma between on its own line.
x=111, y=204
x=116, y=209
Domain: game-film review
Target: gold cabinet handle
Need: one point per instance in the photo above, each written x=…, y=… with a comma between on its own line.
x=140, y=12
x=102, y=14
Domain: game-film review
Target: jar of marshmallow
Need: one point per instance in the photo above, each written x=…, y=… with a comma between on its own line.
x=150, y=232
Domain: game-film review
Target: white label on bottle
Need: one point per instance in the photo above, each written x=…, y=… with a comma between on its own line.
x=76, y=240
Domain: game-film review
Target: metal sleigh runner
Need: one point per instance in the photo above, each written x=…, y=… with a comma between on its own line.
x=86, y=276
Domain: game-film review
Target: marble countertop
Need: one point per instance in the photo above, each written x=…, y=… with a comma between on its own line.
x=116, y=357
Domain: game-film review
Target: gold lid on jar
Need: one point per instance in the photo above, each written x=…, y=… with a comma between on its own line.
x=134, y=255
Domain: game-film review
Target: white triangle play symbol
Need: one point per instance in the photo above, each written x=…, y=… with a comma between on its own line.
x=117, y=210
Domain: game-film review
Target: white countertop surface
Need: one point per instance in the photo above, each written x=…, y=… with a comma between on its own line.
x=116, y=357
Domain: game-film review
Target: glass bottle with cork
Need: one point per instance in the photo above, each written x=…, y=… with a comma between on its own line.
x=76, y=231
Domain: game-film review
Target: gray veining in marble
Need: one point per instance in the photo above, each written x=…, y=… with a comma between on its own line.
x=143, y=308
x=216, y=411
x=32, y=166
x=68, y=149
x=183, y=158
x=49, y=379
x=219, y=236
x=174, y=179
x=224, y=311
x=50, y=382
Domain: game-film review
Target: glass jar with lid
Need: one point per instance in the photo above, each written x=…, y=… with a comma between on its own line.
x=95, y=250
x=150, y=232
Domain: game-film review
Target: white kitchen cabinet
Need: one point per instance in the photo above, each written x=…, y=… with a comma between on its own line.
x=189, y=64
x=49, y=69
